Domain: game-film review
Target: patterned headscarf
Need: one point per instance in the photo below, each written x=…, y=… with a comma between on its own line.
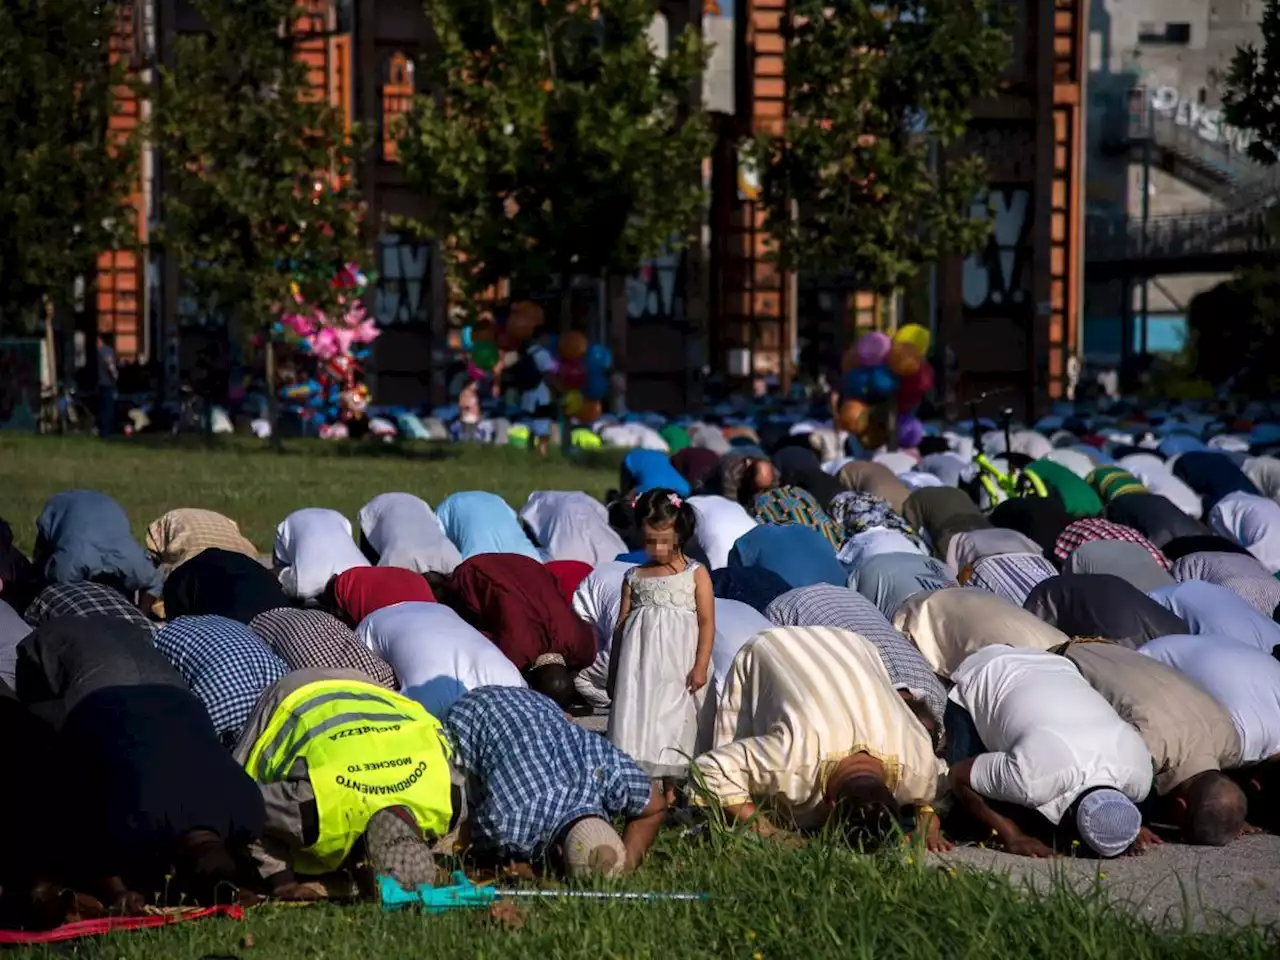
x=789, y=504
x=856, y=512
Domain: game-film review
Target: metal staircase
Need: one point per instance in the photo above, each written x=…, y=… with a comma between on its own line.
x=1243, y=230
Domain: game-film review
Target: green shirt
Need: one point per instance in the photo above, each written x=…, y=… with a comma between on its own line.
x=1077, y=496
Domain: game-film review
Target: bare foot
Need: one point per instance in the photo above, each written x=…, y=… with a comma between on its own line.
x=297, y=892
x=1030, y=847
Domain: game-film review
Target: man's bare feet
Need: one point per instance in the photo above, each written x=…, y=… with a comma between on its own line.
x=299, y=892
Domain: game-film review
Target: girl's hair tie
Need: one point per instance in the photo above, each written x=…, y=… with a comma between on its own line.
x=674, y=499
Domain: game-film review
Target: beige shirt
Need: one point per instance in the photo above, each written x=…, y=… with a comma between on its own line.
x=797, y=701
x=180, y=534
x=948, y=625
x=1185, y=729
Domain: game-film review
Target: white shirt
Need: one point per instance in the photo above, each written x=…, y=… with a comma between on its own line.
x=313, y=546
x=571, y=525
x=633, y=435
x=1245, y=681
x=406, y=533
x=1155, y=476
x=597, y=601
x=1211, y=608
x=1049, y=734
x=897, y=461
x=437, y=655
x=721, y=522
x=1251, y=521
x=1074, y=460
x=861, y=547
x=918, y=479
x=736, y=623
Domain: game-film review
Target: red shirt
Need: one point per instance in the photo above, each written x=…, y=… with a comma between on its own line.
x=516, y=602
x=568, y=573
x=362, y=590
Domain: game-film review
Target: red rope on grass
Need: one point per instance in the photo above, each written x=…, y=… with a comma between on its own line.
x=95, y=928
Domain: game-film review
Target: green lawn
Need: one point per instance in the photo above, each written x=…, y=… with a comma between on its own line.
x=257, y=488
x=766, y=901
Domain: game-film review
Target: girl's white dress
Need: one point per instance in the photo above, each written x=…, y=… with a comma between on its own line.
x=654, y=717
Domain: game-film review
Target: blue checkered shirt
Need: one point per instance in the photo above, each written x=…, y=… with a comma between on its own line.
x=825, y=605
x=534, y=773
x=226, y=665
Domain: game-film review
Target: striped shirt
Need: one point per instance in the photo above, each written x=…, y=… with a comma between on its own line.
x=1242, y=575
x=1110, y=482
x=840, y=608
x=798, y=701
x=1011, y=575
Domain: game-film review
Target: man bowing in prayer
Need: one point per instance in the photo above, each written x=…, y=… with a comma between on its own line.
x=811, y=727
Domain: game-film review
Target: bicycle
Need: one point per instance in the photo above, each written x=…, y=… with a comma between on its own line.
x=999, y=484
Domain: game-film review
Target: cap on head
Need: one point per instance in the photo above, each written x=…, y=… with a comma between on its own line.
x=1108, y=822
x=551, y=678
x=592, y=848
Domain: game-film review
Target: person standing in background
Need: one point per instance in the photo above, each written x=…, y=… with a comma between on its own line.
x=108, y=381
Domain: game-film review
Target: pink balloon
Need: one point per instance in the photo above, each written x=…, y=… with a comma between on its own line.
x=874, y=348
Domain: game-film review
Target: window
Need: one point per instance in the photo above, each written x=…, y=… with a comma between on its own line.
x=397, y=98
x=1170, y=33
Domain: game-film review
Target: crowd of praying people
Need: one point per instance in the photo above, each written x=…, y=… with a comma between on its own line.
x=863, y=649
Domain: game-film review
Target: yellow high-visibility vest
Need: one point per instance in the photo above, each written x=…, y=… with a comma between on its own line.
x=366, y=749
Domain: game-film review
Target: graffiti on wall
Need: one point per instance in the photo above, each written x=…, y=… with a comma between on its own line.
x=654, y=291
x=997, y=278
x=403, y=295
x=1207, y=122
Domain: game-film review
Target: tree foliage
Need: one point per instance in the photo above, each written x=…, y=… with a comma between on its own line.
x=1235, y=333
x=876, y=90
x=1236, y=327
x=65, y=178
x=258, y=165
x=1251, y=99
x=555, y=140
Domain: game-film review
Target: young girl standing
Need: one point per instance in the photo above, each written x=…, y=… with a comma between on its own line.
x=662, y=645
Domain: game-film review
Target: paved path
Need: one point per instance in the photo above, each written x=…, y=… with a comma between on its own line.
x=1240, y=882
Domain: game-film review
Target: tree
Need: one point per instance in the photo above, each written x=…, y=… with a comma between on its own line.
x=1251, y=98
x=875, y=92
x=65, y=176
x=1237, y=331
x=260, y=208
x=555, y=141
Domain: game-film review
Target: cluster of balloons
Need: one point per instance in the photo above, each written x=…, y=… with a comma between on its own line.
x=579, y=369
x=879, y=369
x=332, y=347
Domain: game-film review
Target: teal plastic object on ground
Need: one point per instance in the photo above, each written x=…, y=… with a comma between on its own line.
x=463, y=894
